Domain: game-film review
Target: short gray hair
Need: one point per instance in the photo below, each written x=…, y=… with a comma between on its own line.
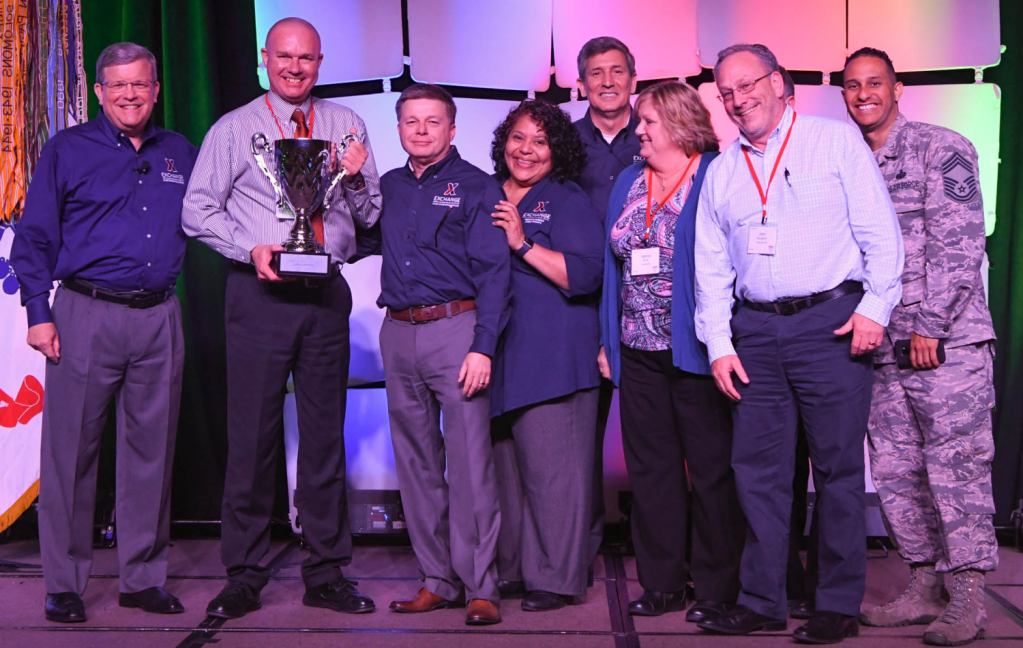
x=760, y=51
x=123, y=54
x=601, y=45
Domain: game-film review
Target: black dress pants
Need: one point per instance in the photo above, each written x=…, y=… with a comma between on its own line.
x=672, y=419
x=273, y=331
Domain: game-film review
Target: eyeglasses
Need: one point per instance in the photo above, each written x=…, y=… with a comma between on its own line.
x=117, y=87
x=745, y=89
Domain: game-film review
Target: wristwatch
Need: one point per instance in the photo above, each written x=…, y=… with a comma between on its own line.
x=527, y=245
x=355, y=182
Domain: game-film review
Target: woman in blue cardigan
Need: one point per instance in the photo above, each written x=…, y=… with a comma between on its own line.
x=671, y=412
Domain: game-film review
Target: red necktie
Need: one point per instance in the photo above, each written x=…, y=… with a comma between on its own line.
x=302, y=132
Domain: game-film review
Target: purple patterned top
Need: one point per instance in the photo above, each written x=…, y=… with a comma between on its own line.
x=646, y=312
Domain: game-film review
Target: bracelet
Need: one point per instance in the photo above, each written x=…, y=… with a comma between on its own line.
x=527, y=245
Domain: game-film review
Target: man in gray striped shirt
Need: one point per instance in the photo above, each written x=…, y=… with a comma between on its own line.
x=276, y=327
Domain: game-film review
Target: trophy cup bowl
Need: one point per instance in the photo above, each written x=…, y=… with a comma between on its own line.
x=303, y=172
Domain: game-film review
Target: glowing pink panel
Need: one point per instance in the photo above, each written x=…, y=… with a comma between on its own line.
x=481, y=44
x=928, y=34
x=803, y=34
x=361, y=39
x=661, y=34
x=823, y=101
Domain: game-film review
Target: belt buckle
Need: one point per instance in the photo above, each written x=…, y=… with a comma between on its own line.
x=141, y=301
x=785, y=308
x=411, y=314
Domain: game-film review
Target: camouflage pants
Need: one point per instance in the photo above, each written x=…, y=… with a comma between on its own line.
x=931, y=448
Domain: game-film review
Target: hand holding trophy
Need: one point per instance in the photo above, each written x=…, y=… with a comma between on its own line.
x=303, y=173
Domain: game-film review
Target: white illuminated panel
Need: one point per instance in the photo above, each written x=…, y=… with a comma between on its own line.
x=488, y=44
x=973, y=111
x=928, y=34
x=476, y=121
x=823, y=101
x=803, y=34
x=360, y=39
x=661, y=34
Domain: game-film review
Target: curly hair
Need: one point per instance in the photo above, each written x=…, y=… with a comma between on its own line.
x=567, y=154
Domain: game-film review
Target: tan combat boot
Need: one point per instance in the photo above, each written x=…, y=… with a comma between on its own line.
x=920, y=604
x=965, y=617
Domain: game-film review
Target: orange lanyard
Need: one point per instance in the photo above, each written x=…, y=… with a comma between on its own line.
x=312, y=117
x=781, y=152
x=667, y=196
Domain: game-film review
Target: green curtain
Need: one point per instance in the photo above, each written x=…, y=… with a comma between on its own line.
x=205, y=54
x=1005, y=250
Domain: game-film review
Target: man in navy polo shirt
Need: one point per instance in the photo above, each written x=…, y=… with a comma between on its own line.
x=103, y=215
x=445, y=283
x=607, y=76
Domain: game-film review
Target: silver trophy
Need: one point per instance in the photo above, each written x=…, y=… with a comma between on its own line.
x=303, y=173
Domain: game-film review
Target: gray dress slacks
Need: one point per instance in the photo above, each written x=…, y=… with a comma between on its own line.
x=135, y=356
x=453, y=523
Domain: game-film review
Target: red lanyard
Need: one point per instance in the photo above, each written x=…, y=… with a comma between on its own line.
x=667, y=196
x=312, y=117
x=763, y=194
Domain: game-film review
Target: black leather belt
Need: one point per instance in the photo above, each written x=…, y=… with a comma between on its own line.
x=793, y=306
x=135, y=299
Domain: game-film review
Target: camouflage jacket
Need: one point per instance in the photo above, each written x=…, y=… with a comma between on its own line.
x=932, y=176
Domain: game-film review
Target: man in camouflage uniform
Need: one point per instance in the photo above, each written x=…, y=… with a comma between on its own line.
x=931, y=441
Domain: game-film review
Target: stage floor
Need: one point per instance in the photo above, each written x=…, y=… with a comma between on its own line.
x=386, y=573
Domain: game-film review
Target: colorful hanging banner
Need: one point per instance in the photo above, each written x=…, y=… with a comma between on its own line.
x=42, y=90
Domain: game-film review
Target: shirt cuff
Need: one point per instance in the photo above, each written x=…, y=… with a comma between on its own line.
x=484, y=343
x=931, y=327
x=719, y=348
x=38, y=310
x=873, y=308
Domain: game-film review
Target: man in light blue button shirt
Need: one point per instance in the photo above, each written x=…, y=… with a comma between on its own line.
x=795, y=223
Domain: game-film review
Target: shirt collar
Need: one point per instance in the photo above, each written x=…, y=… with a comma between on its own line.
x=115, y=134
x=782, y=127
x=598, y=135
x=888, y=150
x=283, y=110
x=437, y=167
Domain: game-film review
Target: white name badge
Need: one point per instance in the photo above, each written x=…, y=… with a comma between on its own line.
x=285, y=213
x=762, y=239
x=646, y=261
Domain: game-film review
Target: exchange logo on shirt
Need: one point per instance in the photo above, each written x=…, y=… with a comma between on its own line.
x=449, y=198
x=171, y=174
x=539, y=215
x=638, y=158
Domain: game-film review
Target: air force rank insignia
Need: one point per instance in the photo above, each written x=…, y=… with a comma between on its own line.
x=959, y=178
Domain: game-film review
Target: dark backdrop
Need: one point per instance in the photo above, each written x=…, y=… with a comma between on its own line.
x=207, y=58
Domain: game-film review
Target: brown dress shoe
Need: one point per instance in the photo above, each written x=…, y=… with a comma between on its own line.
x=425, y=601
x=482, y=612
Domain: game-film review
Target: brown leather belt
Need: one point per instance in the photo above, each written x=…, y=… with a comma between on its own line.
x=424, y=314
x=793, y=306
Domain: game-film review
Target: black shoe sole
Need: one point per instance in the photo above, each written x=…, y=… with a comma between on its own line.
x=936, y=639
x=138, y=606
x=327, y=606
x=853, y=631
x=924, y=620
x=223, y=615
x=57, y=619
x=772, y=626
x=670, y=607
x=482, y=622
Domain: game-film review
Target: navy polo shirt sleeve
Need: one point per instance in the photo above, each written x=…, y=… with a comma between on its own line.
x=578, y=234
x=490, y=265
x=34, y=250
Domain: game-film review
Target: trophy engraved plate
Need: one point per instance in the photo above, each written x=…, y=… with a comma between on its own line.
x=303, y=173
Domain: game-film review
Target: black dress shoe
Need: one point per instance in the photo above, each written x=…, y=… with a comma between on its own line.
x=66, y=607
x=511, y=588
x=741, y=620
x=154, y=599
x=827, y=628
x=589, y=577
x=540, y=601
x=234, y=601
x=339, y=595
x=653, y=603
x=801, y=609
x=703, y=610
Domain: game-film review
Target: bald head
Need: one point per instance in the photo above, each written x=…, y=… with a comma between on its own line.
x=292, y=58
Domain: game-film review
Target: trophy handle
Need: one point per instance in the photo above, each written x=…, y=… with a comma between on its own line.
x=342, y=147
x=260, y=147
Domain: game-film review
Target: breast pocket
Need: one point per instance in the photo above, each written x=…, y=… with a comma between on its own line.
x=816, y=192
x=437, y=225
x=907, y=190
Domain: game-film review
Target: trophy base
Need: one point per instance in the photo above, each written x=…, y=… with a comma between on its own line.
x=302, y=264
